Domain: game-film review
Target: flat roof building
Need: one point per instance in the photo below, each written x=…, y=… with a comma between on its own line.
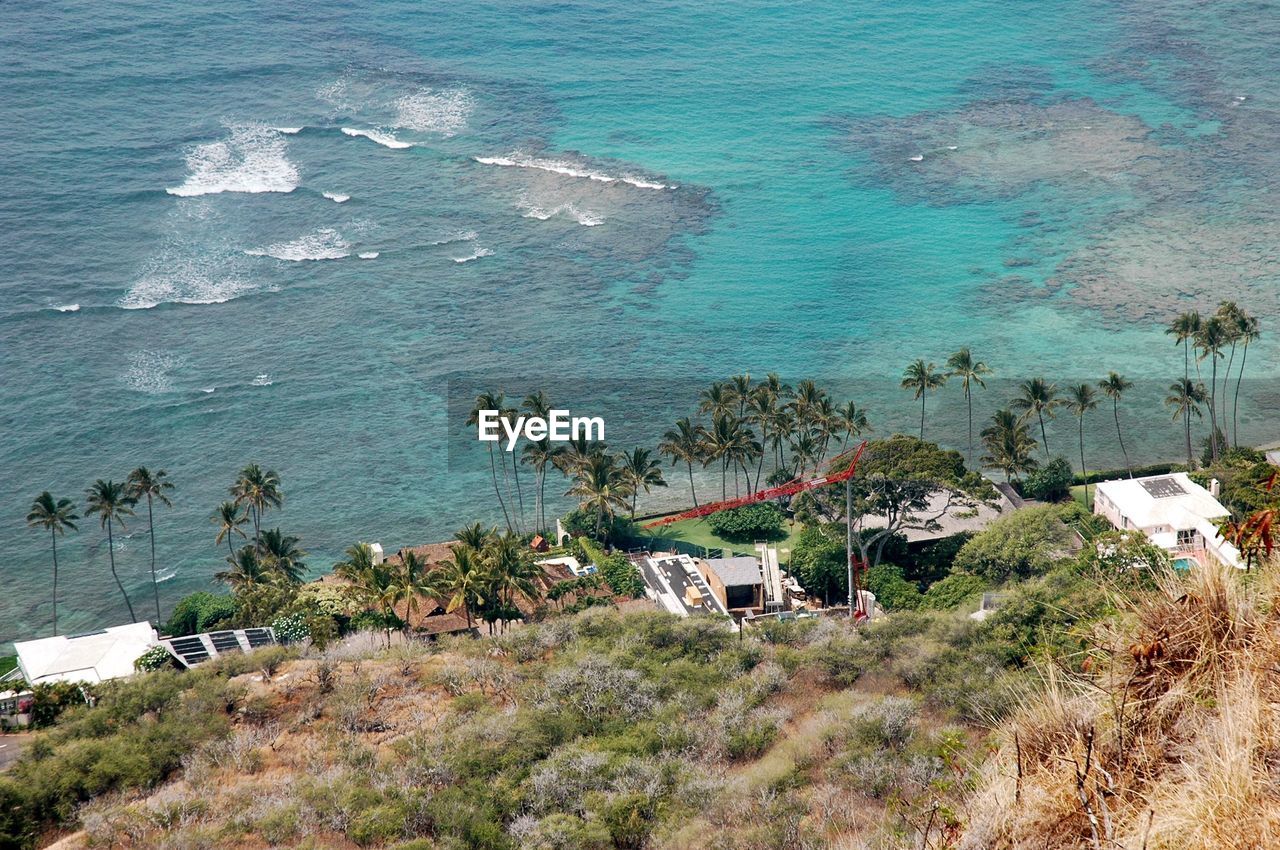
x=737, y=582
x=1174, y=513
x=92, y=657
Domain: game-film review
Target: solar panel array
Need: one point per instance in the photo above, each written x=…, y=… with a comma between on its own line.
x=1163, y=488
x=193, y=649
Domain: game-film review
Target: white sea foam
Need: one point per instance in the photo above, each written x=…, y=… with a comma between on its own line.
x=474, y=255
x=336, y=197
x=917, y=158
x=253, y=158
x=263, y=380
x=368, y=255
x=166, y=576
x=68, y=308
x=288, y=131
x=568, y=169
x=208, y=390
x=431, y=111
x=584, y=217
x=385, y=139
x=325, y=244
x=148, y=372
x=460, y=236
x=179, y=278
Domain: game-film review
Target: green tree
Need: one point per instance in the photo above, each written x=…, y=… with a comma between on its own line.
x=1114, y=386
x=1213, y=335
x=685, y=444
x=111, y=503
x=1184, y=399
x=1017, y=546
x=640, y=471
x=377, y=585
x=921, y=378
x=1080, y=400
x=258, y=490
x=229, y=517
x=280, y=552
x=475, y=536
x=491, y=401
x=55, y=516
x=459, y=581
x=1184, y=329
x=970, y=371
x=1247, y=332
x=1009, y=444
x=538, y=454
x=141, y=484
x=245, y=570
x=600, y=487
x=1039, y=397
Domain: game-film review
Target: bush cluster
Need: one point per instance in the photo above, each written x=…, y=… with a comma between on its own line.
x=760, y=521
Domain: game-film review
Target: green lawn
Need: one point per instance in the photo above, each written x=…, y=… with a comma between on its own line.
x=1077, y=493
x=697, y=531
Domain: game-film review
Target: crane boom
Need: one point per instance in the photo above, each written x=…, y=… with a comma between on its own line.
x=789, y=489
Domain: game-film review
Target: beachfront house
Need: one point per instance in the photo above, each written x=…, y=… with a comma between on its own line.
x=1174, y=513
x=92, y=657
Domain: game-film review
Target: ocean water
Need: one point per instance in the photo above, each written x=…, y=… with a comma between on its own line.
x=237, y=233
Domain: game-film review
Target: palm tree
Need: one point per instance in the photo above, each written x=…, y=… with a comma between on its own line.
x=922, y=378
x=806, y=399
x=1113, y=387
x=684, y=444
x=246, y=570
x=55, y=516
x=804, y=450
x=853, y=423
x=576, y=453
x=459, y=582
x=279, y=551
x=1183, y=330
x=717, y=400
x=375, y=583
x=111, y=503
x=510, y=414
x=1230, y=314
x=475, y=536
x=1041, y=398
x=539, y=453
x=1080, y=400
x=491, y=401
x=141, y=484
x=1212, y=337
x=600, y=488
x=229, y=517
x=740, y=385
x=1247, y=331
x=717, y=441
x=640, y=471
x=259, y=491
x=1010, y=446
x=1185, y=399
x=509, y=572
x=962, y=365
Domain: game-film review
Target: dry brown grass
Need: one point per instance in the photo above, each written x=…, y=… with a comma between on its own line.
x=1167, y=736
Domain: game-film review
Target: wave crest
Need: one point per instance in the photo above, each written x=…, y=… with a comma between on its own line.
x=387, y=140
x=569, y=169
x=253, y=158
x=325, y=244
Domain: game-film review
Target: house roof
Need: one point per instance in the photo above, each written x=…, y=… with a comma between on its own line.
x=738, y=571
x=1173, y=500
x=93, y=657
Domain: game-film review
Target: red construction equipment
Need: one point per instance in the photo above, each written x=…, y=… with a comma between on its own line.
x=788, y=489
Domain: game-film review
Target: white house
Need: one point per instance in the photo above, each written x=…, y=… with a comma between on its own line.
x=1174, y=512
x=93, y=657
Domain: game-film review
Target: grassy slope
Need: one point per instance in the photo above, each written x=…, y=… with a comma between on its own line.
x=697, y=531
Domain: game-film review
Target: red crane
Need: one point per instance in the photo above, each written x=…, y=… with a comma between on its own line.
x=789, y=489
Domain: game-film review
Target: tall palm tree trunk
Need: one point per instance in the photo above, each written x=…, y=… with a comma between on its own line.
x=1044, y=438
x=111, y=553
x=1084, y=471
x=53, y=536
x=922, y=397
x=151, y=532
x=1190, y=457
x=1226, y=381
x=693, y=491
x=1213, y=416
x=1235, y=404
x=1115, y=412
x=968, y=397
x=493, y=471
x=515, y=466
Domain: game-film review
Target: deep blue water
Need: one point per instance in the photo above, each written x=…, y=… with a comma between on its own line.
x=623, y=199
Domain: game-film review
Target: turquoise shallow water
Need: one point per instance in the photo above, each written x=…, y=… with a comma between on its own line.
x=623, y=201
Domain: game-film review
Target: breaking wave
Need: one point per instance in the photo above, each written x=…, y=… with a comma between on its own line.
x=324, y=244
x=431, y=111
x=252, y=159
x=174, y=278
x=474, y=255
x=387, y=140
x=584, y=217
x=568, y=169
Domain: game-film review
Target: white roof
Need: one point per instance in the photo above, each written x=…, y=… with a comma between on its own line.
x=1173, y=500
x=93, y=657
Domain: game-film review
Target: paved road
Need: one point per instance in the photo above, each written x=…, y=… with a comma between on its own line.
x=11, y=747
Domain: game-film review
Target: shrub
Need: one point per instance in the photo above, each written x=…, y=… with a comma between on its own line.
x=762, y=520
x=621, y=575
x=951, y=591
x=155, y=658
x=1024, y=544
x=892, y=591
x=291, y=628
x=1051, y=482
x=201, y=612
